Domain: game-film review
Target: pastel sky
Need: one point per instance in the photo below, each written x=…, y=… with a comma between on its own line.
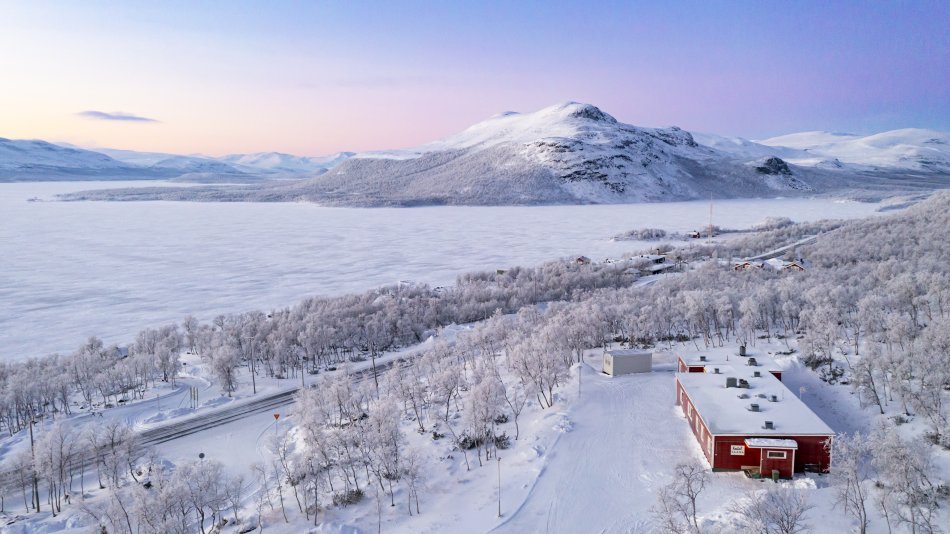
x=319, y=77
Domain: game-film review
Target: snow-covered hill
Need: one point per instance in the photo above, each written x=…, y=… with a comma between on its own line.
x=286, y=163
x=39, y=160
x=909, y=148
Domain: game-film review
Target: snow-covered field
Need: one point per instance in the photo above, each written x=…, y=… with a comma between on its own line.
x=72, y=270
x=592, y=463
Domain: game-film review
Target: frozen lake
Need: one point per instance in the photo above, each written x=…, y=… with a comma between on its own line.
x=72, y=270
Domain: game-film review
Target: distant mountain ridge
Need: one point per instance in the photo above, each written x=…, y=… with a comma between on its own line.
x=34, y=160
x=576, y=153
x=564, y=154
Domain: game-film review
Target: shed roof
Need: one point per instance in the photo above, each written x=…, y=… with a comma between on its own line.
x=623, y=353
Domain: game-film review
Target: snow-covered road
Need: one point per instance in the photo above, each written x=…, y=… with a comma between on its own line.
x=602, y=476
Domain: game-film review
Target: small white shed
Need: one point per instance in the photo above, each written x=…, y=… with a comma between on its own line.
x=627, y=361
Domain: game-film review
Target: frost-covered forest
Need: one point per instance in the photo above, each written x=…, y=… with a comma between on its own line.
x=871, y=314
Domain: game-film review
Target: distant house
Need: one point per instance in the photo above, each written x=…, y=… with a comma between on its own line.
x=653, y=258
x=781, y=265
x=582, y=260
x=744, y=418
x=746, y=265
x=652, y=264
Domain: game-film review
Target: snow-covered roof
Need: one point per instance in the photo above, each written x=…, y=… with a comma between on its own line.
x=726, y=358
x=621, y=353
x=771, y=443
x=652, y=257
x=725, y=413
x=657, y=267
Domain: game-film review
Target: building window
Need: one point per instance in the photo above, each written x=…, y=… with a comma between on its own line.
x=778, y=455
x=737, y=450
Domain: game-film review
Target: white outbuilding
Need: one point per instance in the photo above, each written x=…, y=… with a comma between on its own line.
x=627, y=361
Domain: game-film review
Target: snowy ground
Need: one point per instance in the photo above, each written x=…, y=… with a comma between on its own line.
x=592, y=463
x=112, y=269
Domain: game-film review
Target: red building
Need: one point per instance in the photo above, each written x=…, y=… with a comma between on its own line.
x=744, y=417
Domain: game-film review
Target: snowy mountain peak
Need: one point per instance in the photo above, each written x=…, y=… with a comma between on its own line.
x=578, y=110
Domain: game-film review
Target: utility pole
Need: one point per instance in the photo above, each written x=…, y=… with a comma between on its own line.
x=499, y=483
x=36, y=487
x=580, y=371
x=250, y=341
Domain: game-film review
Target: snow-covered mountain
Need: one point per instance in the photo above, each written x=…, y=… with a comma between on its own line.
x=910, y=148
x=564, y=154
x=567, y=153
x=39, y=160
x=28, y=160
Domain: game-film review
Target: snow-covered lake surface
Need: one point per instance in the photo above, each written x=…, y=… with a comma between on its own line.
x=76, y=269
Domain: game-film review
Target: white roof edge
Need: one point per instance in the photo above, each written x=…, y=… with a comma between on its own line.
x=795, y=434
x=772, y=443
x=630, y=352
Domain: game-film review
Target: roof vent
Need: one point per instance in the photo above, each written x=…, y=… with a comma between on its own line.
x=715, y=370
x=752, y=362
x=774, y=398
x=741, y=350
x=731, y=382
x=756, y=374
x=769, y=425
x=743, y=395
x=761, y=395
x=702, y=358
x=754, y=407
x=743, y=383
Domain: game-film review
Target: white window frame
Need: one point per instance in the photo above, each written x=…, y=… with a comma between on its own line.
x=774, y=455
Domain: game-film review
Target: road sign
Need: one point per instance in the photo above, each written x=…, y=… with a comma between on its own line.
x=276, y=416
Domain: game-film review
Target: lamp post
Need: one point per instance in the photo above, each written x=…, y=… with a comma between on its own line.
x=36, y=488
x=499, y=485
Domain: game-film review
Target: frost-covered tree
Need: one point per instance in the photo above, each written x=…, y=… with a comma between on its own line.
x=676, y=502
x=906, y=492
x=851, y=474
x=773, y=511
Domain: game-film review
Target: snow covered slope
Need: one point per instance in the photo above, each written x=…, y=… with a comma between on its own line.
x=909, y=148
x=567, y=153
x=39, y=160
x=30, y=160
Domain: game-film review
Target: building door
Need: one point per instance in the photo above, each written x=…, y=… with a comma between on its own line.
x=781, y=459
